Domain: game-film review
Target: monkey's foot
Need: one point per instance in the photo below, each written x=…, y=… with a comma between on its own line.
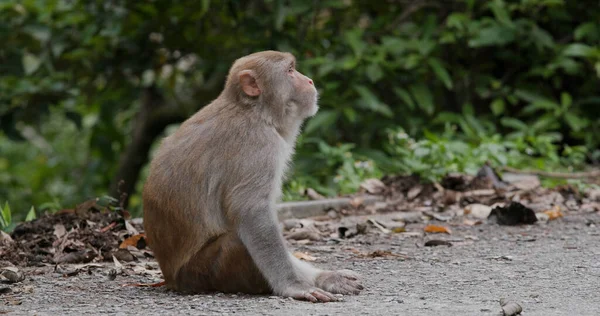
x=309, y=293
x=339, y=282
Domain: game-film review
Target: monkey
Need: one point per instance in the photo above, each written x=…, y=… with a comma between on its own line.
x=209, y=200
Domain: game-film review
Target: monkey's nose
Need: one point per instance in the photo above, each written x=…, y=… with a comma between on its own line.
x=310, y=82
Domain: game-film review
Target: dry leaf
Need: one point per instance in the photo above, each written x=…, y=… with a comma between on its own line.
x=146, y=284
x=510, y=308
x=5, y=239
x=378, y=225
x=399, y=229
x=478, y=210
x=304, y=256
x=108, y=227
x=553, y=213
x=59, y=230
x=436, y=242
x=380, y=254
x=357, y=201
x=513, y=214
x=373, y=186
x=414, y=192
x=304, y=234
x=132, y=231
x=138, y=241
x=470, y=222
x=436, y=229
x=11, y=275
x=313, y=195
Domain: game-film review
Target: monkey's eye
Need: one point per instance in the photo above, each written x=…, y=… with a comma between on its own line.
x=291, y=69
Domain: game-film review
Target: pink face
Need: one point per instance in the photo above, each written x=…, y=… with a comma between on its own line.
x=304, y=89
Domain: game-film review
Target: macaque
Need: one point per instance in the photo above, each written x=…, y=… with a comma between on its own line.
x=210, y=197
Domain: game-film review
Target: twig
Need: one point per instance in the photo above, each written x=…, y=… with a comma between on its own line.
x=550, y=174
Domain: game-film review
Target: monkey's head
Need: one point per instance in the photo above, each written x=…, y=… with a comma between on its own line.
x=269, y=79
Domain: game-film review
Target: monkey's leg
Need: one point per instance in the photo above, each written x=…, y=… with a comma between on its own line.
x=223, y=265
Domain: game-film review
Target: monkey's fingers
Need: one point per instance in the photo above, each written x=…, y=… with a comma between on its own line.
x=323, y=296
x=352, y=288
x=348, y=274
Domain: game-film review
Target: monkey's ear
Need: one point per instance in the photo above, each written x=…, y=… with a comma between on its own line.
x=248, y=83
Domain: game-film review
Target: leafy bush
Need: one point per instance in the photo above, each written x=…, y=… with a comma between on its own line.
x=510, y=81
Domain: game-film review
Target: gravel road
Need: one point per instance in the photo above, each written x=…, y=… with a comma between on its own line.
x=550, y=269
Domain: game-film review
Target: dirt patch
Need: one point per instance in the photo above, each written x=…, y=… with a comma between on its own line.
x=91, y=231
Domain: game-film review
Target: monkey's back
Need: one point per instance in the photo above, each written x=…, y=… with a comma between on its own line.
x=192, y=176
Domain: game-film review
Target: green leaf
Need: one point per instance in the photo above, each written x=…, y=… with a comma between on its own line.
x=498, y=106
x=532, y=97
x=565, y=100
x=405, y=96
x=578, y=50
x=440, y=72
x=589, y=29
x=374, y=72
x=500, y=12
x=6, y=215
x=354, y=40
x=30, y=215
x=323, y=118
x=514, y=123
x=423, y=96
x=575, y=122
x=494, y=35
x=372, y=102
x=31, y=63
x=350, y=114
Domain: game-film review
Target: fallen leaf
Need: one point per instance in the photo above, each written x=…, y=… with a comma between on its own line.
x=124, y=255
x=513, y=214
x=108, y=227
x=11, y=275
x=5, y=239
x=84, y=256
x=159, y=284
x=510, y=308
x=379, y=226
x=436, y=242
x=399, y=229
x=373, y=186
x=357, y=201
x=304, y=256
x=59, y=230
x=132, y=231
x=553, y=213
x=436, y=229
x=480, y=211
x=349, y=232
x=313, y=195
x=138, y=241
x=304, y=234
x=381, y=253
x=414, y=192
x=470, y=222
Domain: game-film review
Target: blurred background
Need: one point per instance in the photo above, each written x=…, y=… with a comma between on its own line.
x=425, y=87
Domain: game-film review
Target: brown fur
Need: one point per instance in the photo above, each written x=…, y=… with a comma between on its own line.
x=209, y=199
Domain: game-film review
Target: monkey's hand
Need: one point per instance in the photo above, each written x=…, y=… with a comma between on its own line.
x=339, y=282
x=303, y=291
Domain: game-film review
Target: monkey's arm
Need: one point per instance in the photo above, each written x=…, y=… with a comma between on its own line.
x=258, y=230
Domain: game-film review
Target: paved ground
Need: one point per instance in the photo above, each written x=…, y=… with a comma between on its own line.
x=550, y=269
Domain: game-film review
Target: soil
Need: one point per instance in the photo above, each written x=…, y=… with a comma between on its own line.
x=549, y=269
x=92, y=261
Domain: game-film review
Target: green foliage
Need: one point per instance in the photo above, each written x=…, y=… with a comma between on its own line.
x=436, y=155
x=510, y=81
x=6, y=222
